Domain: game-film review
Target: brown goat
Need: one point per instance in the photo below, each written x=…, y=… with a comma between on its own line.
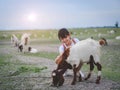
x=57, y=75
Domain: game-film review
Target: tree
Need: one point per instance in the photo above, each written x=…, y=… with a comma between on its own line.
x=116, y=24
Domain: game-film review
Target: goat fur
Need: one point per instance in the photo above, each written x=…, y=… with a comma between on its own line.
x=14, y=40
x=23, y=46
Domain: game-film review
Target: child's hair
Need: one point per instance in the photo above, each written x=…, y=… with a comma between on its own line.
x=63, y=33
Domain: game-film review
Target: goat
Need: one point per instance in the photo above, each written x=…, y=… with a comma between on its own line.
x=32, y=50
x=14, y=40
x=24, y=42
x=85, y=51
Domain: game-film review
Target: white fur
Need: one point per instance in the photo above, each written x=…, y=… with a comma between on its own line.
x=14, y=40
x=82, y=50
x=33, y=50
x=25, y=35
x=99, y=73
x=25, y=47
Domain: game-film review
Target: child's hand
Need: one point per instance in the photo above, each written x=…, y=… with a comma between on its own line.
x=58, y=59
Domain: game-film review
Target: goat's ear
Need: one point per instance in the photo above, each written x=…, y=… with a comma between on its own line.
x=53, y=74
x=102, y=42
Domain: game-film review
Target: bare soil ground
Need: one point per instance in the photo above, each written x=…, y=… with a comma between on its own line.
x=42, y=81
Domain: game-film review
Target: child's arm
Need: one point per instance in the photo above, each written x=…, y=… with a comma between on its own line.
x=58, y=59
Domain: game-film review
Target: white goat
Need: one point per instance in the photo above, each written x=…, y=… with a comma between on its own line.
x=85, y=51
x=14, y=40
x=23, y=46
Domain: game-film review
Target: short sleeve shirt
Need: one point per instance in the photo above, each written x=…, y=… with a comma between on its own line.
x=63, y=46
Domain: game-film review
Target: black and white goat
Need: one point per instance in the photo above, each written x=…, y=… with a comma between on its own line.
x=32, y=50
x=23, y=46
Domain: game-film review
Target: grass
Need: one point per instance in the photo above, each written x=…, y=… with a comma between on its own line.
x=28, y=68
x=4, y=64
x=80, y=33
x=110, y=55
x=110, y=61
x=2, y=60
x=49, y=55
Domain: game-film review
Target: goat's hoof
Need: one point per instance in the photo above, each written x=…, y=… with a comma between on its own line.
x=86, y=79
x=97, y=82
x=80, y=80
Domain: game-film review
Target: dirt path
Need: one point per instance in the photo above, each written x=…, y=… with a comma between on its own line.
x=42, y=81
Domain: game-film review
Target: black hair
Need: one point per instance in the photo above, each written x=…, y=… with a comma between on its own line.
x=63, y=33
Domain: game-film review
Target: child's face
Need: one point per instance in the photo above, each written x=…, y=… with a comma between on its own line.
x=66, y=40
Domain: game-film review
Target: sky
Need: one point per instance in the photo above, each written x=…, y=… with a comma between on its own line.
x=55, y=14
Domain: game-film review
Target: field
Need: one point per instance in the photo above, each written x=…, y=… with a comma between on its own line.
x=19, y=71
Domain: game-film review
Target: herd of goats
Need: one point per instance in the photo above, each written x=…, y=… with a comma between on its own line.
x=23, y=43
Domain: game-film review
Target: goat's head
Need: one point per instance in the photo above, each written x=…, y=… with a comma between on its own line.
x=20, y=47
x=102, y=42
x=57, y=75
x=57, y=78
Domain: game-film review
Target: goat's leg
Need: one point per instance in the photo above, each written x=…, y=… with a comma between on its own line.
x=78, y=69
x=61, y=81
x=25, y=50
x=80, y=77
x=74, y=71
x=91, y=62
x=99, y=67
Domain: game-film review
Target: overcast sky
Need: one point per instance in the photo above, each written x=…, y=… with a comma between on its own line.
x=50, y=14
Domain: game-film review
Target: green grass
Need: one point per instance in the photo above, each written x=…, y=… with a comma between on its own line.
x=49, y=55
x=35, y=34
x=28, y=68
x=110, y=60
x=80, y=33
x=4, y=64
x=2, y=60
